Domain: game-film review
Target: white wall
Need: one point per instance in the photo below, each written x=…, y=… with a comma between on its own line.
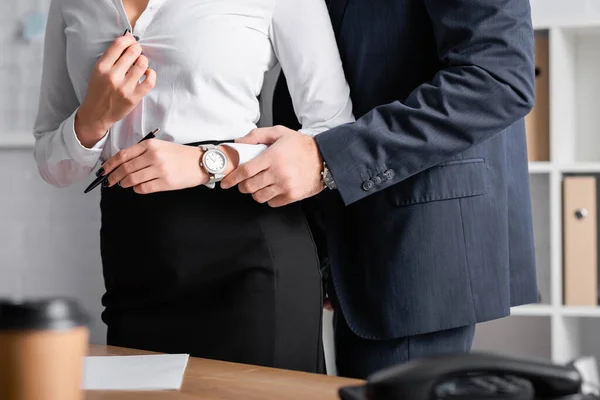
x=49, y=238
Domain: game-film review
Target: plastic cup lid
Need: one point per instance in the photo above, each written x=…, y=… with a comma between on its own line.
x=41, y=314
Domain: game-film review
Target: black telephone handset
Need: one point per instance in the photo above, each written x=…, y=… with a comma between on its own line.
x=474, y=376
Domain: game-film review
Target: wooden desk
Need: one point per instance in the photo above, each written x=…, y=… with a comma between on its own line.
x=216, y=380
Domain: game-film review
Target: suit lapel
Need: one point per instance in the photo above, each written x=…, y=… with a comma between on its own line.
x=337, y=9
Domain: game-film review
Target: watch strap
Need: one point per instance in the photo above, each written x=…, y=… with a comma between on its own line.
x=327, y=178
x=206, y=147
x=212, y=178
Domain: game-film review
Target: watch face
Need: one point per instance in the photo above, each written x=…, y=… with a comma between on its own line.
x=214, y=161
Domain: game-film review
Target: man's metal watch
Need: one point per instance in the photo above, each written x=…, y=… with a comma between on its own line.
x=214, y=162
x=327, y=178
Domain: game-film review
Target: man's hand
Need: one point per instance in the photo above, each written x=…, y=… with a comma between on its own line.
x=288, y=171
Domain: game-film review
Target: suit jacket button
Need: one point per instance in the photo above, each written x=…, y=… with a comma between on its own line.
x=377, y=180
x=390, y=173
x=368, y=185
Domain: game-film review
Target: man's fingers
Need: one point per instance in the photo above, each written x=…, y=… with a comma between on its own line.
x=156, y=185
x=114, y=52
x=246, y=171
x=128, y=168
x=135, y=73
x=127, y=59
x=267, y=194
x=125, y=155
x=256, y=183
x=266, y=136
x=142, y=176
x=280, y=201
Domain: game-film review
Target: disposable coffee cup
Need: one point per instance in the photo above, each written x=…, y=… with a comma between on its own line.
x=42, y=345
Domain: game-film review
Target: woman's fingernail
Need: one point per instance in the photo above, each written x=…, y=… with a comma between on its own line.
x=100, y=172
x=126, y=32
x=105, y=183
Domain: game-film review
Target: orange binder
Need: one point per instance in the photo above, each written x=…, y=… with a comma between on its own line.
x=537, y=123
x=580, y=241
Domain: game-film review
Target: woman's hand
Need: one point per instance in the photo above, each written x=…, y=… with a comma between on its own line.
x=113, y=89
x=157, y=166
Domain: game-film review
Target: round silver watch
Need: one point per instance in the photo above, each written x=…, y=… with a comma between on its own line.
x=214, y=162
x=327, y=178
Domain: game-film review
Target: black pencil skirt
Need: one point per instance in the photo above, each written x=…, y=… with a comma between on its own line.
x=213, y=274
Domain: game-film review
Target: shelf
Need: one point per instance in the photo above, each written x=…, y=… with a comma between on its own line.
x=579, y=311
x=570, y=168
x=576, y=24
x=540, y=167
x=541, y=310
x=561, y=13
x=584, y=167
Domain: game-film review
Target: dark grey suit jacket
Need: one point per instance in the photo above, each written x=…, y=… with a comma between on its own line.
x=431, y=227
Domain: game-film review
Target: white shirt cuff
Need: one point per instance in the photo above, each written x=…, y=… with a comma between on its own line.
x=311, y=132
x=78, y=152
x=247, y=151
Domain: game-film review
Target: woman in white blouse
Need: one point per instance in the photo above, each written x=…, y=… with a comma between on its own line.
x=189, y=268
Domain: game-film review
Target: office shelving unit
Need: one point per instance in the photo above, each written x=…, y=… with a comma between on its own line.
x=573, y=27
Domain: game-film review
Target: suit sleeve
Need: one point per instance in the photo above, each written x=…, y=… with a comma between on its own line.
x=486, y=84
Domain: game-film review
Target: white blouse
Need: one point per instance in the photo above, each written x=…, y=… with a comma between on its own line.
x=210, y=57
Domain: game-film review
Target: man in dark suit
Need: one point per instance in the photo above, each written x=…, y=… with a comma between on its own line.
x=428, y=225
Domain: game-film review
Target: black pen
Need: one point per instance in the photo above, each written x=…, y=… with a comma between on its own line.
x=101, y=179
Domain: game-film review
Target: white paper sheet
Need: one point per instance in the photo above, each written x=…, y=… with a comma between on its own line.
x=152, y=372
